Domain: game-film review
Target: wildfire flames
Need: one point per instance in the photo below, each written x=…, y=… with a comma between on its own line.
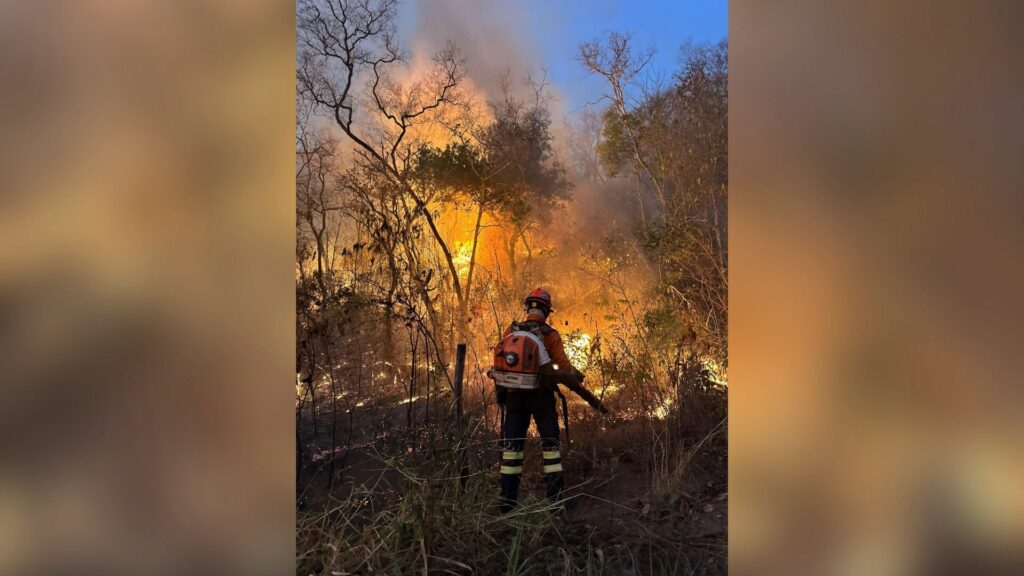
x=577, y=347
x=462, y=256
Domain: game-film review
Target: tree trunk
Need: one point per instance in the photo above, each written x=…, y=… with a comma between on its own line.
x=463, y=320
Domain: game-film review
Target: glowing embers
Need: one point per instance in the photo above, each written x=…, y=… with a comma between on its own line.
x=661, y=411
x=577, y=348
x=715, y=372
x=462, y=256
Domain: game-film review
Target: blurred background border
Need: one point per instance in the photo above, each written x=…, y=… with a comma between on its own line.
x=876, y=269
x=146, y=289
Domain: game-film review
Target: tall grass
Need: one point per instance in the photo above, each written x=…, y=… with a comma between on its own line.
x=417, y=517
x=430, y=525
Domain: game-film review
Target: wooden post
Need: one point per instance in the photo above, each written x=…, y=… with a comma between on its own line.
x=460, y=366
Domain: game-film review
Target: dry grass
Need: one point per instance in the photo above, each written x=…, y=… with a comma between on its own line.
x=415, y=517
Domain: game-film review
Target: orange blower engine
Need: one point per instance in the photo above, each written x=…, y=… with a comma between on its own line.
x=518, y=359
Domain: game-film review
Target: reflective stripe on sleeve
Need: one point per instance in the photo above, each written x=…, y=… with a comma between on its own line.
x=551, y=455
x=549, y=468
x=517, y=469
x=506, y=455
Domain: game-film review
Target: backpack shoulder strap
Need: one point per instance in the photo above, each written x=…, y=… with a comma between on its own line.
x=523, y=326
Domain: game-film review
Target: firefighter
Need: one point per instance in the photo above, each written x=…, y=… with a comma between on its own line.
x=539, y=403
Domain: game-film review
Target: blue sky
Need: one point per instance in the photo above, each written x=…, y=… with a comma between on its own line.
x=664, y=25
x=528, y=34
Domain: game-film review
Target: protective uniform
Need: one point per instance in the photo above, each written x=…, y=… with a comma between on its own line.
x=521, y=405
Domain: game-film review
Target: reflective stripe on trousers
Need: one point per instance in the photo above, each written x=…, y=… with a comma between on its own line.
x=512, y=462
x=552, y=461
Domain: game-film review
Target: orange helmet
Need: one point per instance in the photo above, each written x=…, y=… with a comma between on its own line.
x=539, y=296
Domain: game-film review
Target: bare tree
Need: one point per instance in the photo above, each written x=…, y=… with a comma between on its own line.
x=349, y=45
x=613, y=59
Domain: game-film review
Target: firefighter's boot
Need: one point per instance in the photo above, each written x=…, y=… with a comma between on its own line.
x=553, y=473
x=511, y=472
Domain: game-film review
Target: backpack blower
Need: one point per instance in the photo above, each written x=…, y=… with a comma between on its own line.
x=521, y=362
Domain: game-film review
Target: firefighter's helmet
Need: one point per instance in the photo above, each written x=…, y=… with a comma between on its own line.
x=539, y=296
